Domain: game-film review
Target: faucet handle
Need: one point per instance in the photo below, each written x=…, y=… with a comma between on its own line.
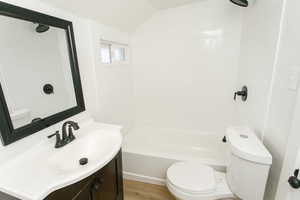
x=54, y=134
x=243, y=93
x=59, y=141
x=235, y=94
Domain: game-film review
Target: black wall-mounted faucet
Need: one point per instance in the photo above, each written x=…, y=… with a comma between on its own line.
x=243, y=93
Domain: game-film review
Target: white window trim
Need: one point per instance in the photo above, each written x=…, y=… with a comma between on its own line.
x=116, y=63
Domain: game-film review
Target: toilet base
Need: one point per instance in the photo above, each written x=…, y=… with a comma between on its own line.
x=222, y=192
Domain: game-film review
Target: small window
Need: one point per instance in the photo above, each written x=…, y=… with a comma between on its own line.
x=105, y=53
x=118, y=54
x=112, y=52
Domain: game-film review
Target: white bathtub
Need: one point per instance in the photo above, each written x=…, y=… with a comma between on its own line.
x=148, y=152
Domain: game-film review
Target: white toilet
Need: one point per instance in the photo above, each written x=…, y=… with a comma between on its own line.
x=246, y=175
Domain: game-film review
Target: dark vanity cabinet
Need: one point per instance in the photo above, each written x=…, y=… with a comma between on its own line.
x=106, y=184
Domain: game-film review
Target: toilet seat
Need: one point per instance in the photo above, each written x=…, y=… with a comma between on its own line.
x=195, y=181
x=192, y=177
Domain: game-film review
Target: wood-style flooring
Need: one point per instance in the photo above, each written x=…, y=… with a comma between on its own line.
x=134, y=190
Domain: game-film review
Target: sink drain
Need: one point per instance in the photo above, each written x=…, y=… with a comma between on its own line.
x=83, y=161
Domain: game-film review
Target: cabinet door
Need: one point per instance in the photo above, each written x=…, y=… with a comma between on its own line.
x=84, y=194
x=73, y=191
x=119, y=171
x=104, y=186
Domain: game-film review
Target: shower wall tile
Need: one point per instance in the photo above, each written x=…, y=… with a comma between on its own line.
x=185, y=67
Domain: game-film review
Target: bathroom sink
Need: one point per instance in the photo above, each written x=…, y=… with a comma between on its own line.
x=93, y=146
x=53, y=168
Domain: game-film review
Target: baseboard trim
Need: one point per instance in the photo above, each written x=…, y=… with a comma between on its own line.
x=144, y=179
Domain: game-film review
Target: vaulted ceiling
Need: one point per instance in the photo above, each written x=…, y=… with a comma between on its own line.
x=123, y=14
x=164, y=4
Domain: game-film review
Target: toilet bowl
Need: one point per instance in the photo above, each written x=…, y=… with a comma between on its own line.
x=195, y=181
x=245, y=177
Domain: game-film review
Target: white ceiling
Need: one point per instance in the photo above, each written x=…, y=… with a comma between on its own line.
x=164, y=4
x=123, y=14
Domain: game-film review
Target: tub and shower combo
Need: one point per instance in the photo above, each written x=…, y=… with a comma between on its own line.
x=149, y=152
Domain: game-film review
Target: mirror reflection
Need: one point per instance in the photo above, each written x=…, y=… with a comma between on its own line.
x=35, y=71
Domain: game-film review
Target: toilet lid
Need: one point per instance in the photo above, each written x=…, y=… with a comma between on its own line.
x=192, y=177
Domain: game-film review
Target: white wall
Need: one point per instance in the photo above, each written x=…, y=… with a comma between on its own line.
x=185, y=65
x=258, y=48
x=282, y=105
x=268, y=58
x=114, y=81
x=292, y=156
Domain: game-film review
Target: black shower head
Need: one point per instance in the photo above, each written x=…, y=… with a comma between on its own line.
x=41, y=28
x=242, y=3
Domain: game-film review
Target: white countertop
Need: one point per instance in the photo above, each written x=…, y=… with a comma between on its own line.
x=41, y=169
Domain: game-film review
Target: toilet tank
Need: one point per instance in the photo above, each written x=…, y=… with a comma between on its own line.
x=249, y=164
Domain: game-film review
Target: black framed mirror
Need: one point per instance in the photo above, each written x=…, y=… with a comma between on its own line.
x=39, y=75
